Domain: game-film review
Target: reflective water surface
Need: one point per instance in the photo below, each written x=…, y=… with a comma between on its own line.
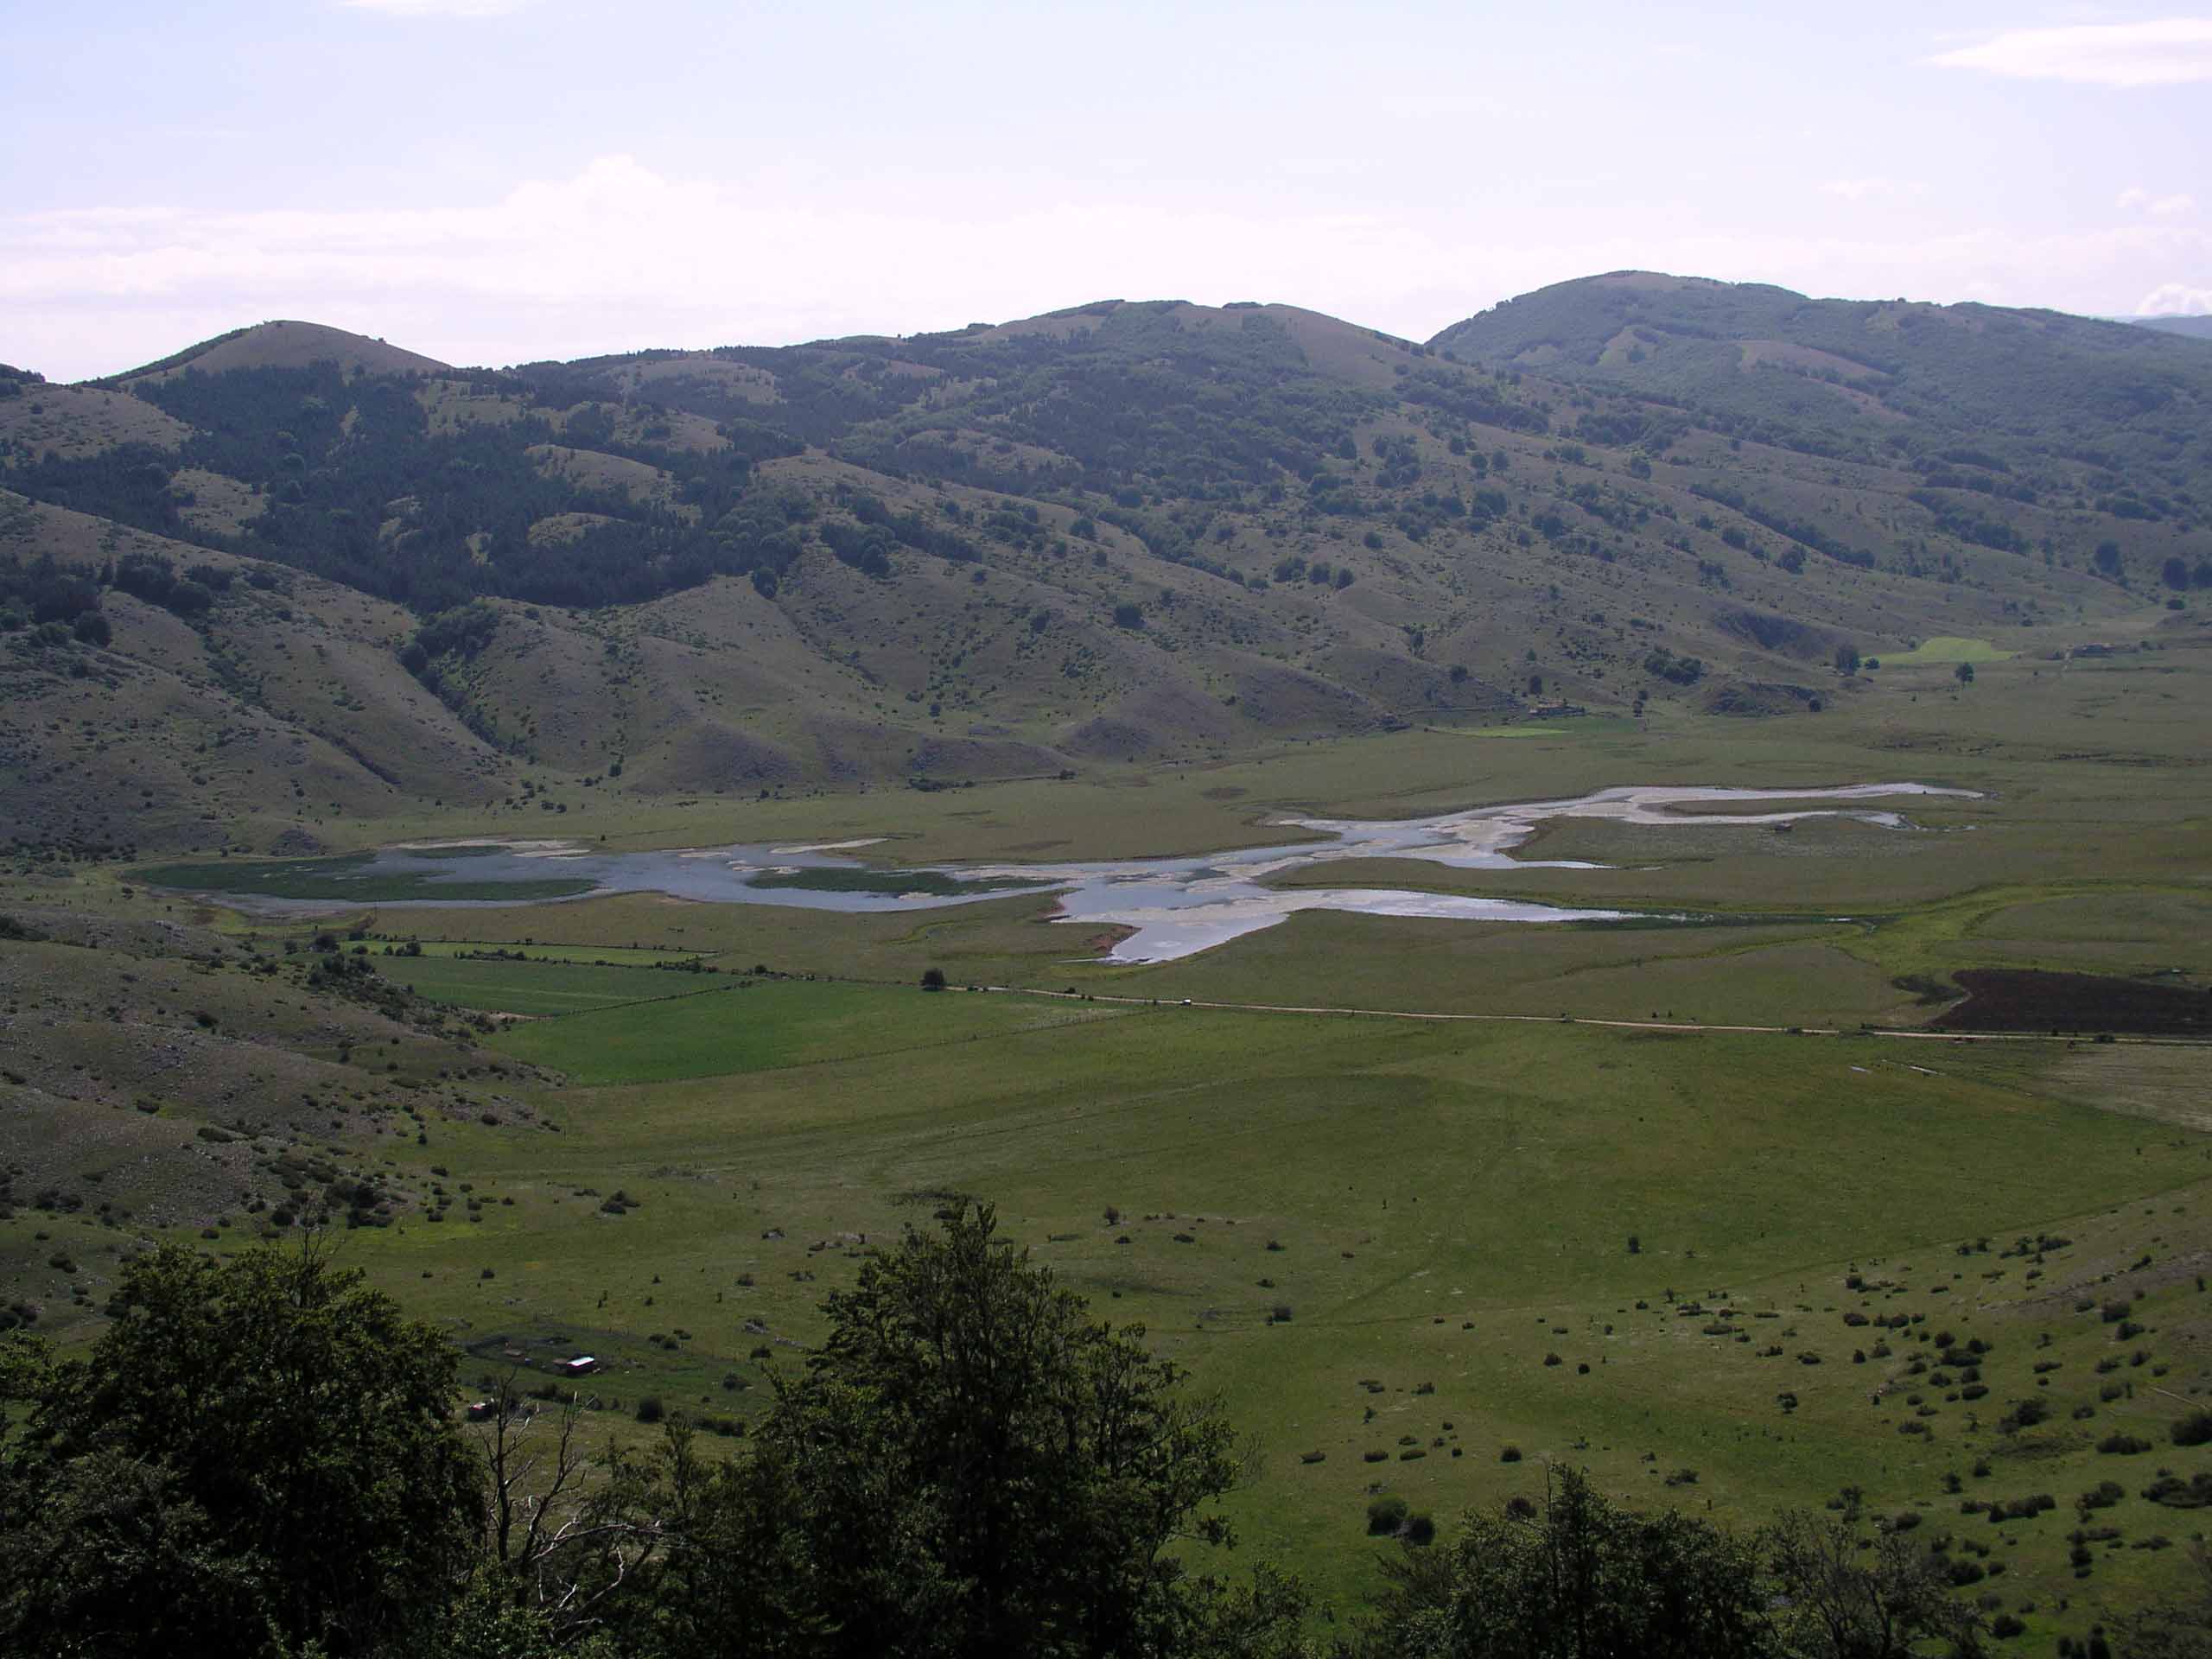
x=1174, y=906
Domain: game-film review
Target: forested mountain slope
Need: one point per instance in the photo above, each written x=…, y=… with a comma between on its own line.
x=2192, y=327
x=1120, y=531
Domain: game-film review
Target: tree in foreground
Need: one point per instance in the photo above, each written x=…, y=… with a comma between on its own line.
x=969, y=1464
x=1844, y=1599
x=1578, y=1580
x=255, y=1456
x=1040, y=1467
x=1582, y=1580
x=2180, y=1627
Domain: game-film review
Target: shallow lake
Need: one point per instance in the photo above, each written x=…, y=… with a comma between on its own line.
x=1174, y=906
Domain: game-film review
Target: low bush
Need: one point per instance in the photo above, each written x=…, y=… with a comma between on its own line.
x=2195, y=1429
x=2194, y=1493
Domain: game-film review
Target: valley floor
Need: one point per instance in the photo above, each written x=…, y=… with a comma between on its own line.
x=1681, y=1205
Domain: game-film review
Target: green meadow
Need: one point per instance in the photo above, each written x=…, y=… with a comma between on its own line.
x=1947, y=648
x=346, y=881
x=1731, y=1271
x=765, y=1026
x=1372, y=1234
x=1397, y=1248
x=534, y=988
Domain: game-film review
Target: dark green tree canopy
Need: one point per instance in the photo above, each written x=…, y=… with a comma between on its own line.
x=266, y=1444
x=984, y=1469
x=1578, y=1580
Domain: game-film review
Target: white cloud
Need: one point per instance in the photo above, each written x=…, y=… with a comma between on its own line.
x=1867, y=189
x=2175, y=300
x=1446, y=106
x=439, y=7
x=2136, y=199
x=619, y=257
x=2170, y=51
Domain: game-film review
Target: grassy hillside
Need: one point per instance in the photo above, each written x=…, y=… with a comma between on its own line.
x=2188, y=327
x=284, y=344
x=2059, y=394
x=1120, y=533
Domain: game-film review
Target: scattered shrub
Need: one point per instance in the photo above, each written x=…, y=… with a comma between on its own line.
x=2195, y=1493
x=1385, y=1515
x=2195, y=1429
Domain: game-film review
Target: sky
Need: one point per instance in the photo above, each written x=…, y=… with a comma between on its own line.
x=494, y=182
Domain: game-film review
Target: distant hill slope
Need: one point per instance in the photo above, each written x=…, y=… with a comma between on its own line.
x=286, y=345
x=78, y=422
x=2188, y=327
x=1865, y=377
x=1120, y=531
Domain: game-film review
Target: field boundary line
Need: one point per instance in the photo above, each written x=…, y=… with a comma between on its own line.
x=1892, y=1032
x=573, y=1013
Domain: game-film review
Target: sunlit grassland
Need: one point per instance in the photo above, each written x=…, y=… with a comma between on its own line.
x=535, y=988
x=1946, y=648
x=1788, y=974
x=1451, y=1205
x=2022, y=715
x=749, y=1026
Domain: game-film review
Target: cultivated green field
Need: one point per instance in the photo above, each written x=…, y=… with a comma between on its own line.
x=535, y=988
x=1946, y=648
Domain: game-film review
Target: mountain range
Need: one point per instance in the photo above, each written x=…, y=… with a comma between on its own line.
x=292, y=576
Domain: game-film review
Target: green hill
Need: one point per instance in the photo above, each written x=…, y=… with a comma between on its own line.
x=2188, y=327
x=284, y=344
x=1122, y=532
x=2067, y=397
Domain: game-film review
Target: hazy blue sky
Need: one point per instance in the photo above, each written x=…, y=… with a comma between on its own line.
x=492, y=180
